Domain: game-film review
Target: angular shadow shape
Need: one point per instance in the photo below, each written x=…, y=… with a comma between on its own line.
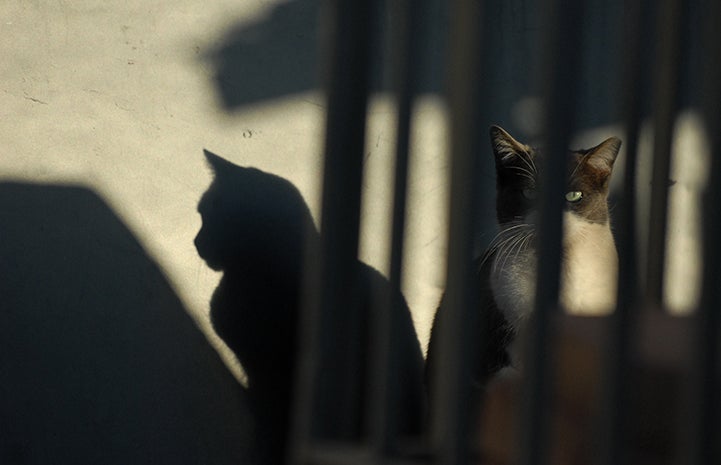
x=99, y=361
x=281, y=53
x=255, y=229
x=274, y=56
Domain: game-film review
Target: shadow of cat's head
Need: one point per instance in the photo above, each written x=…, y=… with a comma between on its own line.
x=250, y=219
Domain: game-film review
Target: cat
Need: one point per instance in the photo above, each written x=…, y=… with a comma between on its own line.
x=589, y=260
x=507, y=270
x=255, y=229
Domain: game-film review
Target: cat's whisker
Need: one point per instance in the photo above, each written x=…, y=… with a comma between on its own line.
x=504, y=233
x=508, y=248
x=517, y=246
x=520, y=244
x=523, y=244
x=504, y=243
x=529, y=239
x=497, y=263
x=500, y=247
x=509, y=231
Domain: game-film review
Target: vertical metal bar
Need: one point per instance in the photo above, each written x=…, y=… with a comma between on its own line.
x=706, y=427
x=560, y=80
x=623, y=321
x=332, y=270
x=406, y=59
x=449, y=428
x=672, y=17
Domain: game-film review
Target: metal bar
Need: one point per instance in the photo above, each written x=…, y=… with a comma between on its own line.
x=623, y=322
x=672, y=16
x=561, y=57
x=705, y=430
x=384, y=395
x=333, y=263
x=449, y=428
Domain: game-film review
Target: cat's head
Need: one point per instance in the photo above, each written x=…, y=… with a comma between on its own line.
x=518, y=167
x=251, y=219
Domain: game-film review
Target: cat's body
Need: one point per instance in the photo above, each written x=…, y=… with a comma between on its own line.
x=256, y=227
x=588, y=273
x=507, y=271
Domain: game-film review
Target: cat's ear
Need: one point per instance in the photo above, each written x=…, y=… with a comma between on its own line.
x=505, y=147
x=602, y=156
x=216, y=163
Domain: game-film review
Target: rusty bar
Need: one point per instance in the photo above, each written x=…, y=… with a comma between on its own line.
x=561, y=60
x=705, y=430
x=332, y=269
x=407, y=45
x=449, y=415
x=672, y=15
x=623, y=321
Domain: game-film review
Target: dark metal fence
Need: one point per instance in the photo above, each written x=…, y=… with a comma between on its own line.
x=682, y=69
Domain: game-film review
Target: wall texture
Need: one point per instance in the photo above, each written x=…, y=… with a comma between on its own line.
x=105, y=108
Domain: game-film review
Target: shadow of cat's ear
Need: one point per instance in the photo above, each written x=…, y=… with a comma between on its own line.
x=216, y=163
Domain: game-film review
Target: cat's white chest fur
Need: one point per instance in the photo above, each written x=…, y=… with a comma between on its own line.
x=589, y=268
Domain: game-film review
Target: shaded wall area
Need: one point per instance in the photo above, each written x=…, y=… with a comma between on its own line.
x=99, y=361
x=281, y=53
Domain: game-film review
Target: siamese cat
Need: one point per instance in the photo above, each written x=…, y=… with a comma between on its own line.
x=589, y=261
x=507, y=270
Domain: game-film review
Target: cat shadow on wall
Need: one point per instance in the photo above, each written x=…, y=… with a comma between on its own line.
x=255, y=229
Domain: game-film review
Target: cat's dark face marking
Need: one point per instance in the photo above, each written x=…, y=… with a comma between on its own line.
x=518, y=167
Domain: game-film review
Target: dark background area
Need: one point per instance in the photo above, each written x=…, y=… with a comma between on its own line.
x=99, y=361
x=281, y=54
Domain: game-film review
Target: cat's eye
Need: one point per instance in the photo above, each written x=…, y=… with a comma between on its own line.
x=530, y=194
x=574, y=196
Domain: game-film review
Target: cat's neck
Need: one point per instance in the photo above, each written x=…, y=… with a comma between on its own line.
x=589, y=268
